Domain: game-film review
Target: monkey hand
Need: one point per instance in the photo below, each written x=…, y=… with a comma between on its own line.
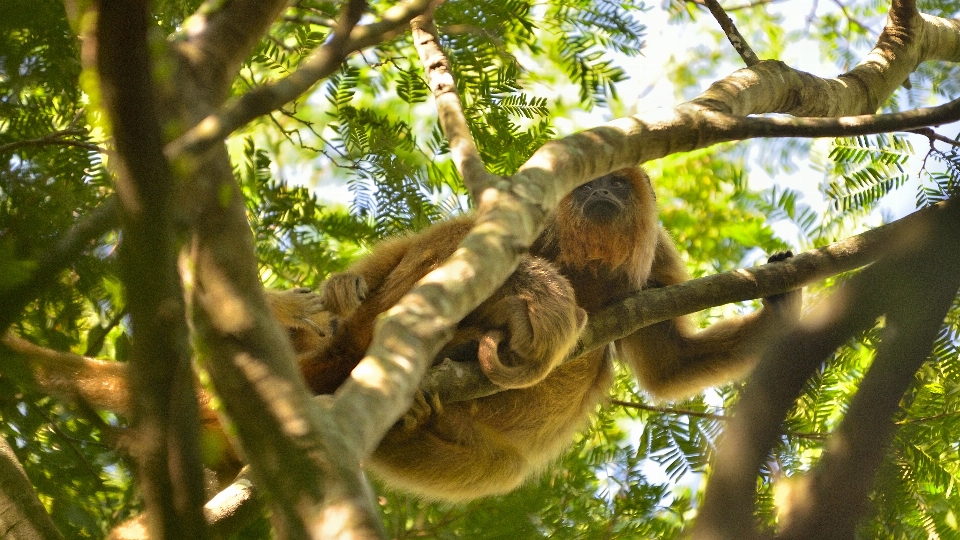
x=343, y=293
x=786, y=305
x=301, y=313
x=424, y=407
x=527, y=341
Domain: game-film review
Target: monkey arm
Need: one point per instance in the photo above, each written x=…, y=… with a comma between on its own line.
x=671, y=359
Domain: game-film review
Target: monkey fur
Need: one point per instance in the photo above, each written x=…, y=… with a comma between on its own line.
x=605, y=240
x=520, y=333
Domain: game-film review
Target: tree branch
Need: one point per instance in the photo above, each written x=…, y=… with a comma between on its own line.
x=733, y=35
x=104, y=218
x=297, y=453
x=834, y=494
x=165, y=412
x=220, y=36
x=463, y=149
x=22, y=515
x=777, y=381
x=346, y=39
x=55, y=138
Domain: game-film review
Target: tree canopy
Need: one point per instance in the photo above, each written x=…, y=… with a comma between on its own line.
x=141, y=143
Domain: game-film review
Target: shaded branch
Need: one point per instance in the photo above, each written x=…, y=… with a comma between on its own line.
x=733, y=35
x=463, y=149
x=164, y=405
x=55, y=138
x=22, y=515
x=836, y=491
x=298, y=454
x=777, y=381
x=227, y=513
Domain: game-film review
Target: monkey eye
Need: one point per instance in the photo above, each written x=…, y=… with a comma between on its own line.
x=617, y=182
x=584, y=187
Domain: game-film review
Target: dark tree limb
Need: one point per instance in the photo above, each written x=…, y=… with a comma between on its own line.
x=917, y=301
x=727, y=512
x=165, y=412
x=22, y=515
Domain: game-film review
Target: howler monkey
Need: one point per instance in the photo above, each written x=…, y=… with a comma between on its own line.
x=604, y=239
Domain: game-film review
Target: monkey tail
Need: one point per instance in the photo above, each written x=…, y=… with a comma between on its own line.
x=519, y=373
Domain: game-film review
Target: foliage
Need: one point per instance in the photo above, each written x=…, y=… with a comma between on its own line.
x=371, y=127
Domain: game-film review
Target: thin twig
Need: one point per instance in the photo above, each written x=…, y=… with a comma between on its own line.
x=346, y=39
x=733, y=35
x=929, y=133
x=55, y=138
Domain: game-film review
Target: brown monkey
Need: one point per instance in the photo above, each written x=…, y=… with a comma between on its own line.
x=604, y=238
x=518, y=335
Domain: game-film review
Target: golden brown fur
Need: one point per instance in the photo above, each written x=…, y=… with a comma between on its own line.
x=464, y=450
x=520, y=333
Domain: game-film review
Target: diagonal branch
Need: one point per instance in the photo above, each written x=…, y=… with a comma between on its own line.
x=733, y=35
x=22, y=515
x=837, y=488
x=727, y=511
x=464, y=150
x=13, y=300
x=346, y=39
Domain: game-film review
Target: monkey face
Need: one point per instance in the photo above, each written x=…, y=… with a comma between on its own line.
x=604, y=199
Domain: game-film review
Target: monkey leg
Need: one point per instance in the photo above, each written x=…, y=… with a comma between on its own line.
x=450, y=460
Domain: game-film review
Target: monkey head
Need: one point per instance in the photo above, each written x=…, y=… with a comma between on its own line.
x=605, y=225
x=605, y=198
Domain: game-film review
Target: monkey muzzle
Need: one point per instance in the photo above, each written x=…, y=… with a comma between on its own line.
x=602, y=206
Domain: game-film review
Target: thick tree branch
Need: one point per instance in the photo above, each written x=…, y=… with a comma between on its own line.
x=165, y=414
x=297, y=453
x=463, y=149
x=458, y=381
x=722, y=113
x=220, y=36
x=834, y=495
x=346, y=39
